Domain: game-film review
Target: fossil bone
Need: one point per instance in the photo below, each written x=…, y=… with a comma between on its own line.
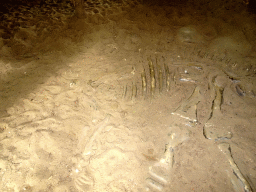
x=152, y=76
x=144, y=83
x=167, y=77
x=217, y=127
x=160, y=171
x=98, y=128
x=225, y=148
x=188, y=109
x=134, y=91
x=160, y=77
x=125, y=91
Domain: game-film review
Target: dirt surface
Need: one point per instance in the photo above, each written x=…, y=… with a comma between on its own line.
x=136, y=96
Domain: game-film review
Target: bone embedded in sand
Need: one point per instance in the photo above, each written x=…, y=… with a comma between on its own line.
x=160, y=77
x=213, y=131
x=97, y=130
x=220, y=82
x=134, y=91
x=125, y=91
x=160, y=172
x=144, y=83
x=237, y=184
x=167, y=77
x=152, y=76
x=218, y=127
x=225, y=148
x=240, y=90
x=178, y=135
x=153, y=185
x=188, y=109
x=82, y=178
x=218, y=99
x=159, y=176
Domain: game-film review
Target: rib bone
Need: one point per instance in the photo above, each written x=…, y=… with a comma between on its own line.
x=152, y=76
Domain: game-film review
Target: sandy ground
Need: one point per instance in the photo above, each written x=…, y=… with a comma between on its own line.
x=134, y=97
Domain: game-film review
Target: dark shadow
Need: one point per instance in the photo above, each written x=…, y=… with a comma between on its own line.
x=35, y=50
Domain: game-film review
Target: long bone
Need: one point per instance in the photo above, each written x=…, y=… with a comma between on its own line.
x=225, y=148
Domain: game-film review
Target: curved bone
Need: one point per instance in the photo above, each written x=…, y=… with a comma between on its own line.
x=97, y=131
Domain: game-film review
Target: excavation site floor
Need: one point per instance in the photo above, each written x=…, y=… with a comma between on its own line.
x=133, y=96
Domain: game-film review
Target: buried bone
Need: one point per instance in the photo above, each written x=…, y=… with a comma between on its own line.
x=217, y=127
x=152, y=76
x=167, y=77
x=144, y=82
x=159, y=173
x=188, y=109
x=160, y=77
x=157, y=80
x=81, y=175
x=134, y=91
x=225, y=148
